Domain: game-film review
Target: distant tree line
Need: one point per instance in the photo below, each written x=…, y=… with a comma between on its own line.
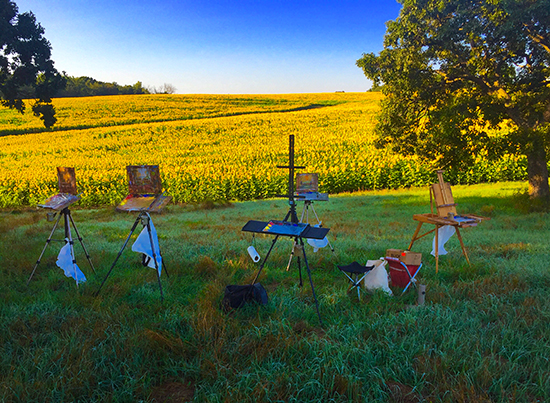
x=89, y=87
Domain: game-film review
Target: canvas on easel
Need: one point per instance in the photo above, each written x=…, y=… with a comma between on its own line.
x=144, y=190
x=145, y=196
x=445, y=214
x=66, y=180
x=59, y=203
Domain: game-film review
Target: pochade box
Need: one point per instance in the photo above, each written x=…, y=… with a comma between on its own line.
x=407, y=257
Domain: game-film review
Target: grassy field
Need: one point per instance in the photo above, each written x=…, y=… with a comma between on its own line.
x=482, y=335
x=212, y=148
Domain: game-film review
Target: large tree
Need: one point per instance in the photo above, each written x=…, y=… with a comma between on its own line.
x=25, y=65
x=464, y=78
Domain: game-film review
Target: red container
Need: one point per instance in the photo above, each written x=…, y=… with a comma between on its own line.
x=398, y=273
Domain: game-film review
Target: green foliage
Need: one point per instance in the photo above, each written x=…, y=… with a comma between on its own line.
x=25, y=65
x=88, y=87
x=456, y=71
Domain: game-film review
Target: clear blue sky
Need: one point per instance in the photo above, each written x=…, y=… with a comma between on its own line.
x=216, y=47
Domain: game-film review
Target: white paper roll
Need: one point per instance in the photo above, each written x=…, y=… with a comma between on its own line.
x=253, y=254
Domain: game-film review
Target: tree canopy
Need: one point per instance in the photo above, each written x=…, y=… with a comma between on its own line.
x=25, y=64
x=88, y=87
x=464, y=78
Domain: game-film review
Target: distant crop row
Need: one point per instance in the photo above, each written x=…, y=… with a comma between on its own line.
x=212, y=148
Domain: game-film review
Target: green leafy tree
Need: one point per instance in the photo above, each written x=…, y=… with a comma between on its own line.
x=464, y=78
x=25, y=65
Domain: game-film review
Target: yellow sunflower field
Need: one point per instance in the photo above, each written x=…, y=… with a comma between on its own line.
x=209, y=147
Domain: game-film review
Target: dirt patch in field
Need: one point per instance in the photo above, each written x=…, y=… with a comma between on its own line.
x=174, y=392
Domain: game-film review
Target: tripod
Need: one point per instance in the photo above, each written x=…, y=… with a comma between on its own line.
x=145, y=221
x=67, y=221
x=318, y=233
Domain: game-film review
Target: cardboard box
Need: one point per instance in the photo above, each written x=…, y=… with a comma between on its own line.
x=411, y=258
x=407, y=257
x=396, y=253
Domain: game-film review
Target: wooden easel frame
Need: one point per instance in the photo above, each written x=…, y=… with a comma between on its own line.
x=441, y=196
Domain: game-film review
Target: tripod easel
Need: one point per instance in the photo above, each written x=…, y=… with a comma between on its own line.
x=68, y=219
x=145, y=188
x=293, y=228
x=60, y=203
x=145, y=219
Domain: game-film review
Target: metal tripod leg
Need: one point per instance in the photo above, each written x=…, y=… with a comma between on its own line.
x=119, y=253
x=311, y=282
x=81, y=242
x=299, y=262
x=69, y=237
x=265, y=260
x=43, y=250
x=296, y=242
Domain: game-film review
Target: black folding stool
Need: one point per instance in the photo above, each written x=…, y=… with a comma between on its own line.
x=355, y=273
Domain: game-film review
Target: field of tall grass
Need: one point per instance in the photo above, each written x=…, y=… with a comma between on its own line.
x=481, y=336
x=212, y=148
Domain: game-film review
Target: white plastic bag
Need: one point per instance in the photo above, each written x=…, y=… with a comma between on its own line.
x=143, y=245
x=377, y=278
x=443, y=234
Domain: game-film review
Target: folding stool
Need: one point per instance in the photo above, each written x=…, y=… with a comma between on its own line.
x=355, y=273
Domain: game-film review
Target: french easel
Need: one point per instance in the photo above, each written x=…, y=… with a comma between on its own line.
x=441, y=195
x=287, y=227
x=60, y=204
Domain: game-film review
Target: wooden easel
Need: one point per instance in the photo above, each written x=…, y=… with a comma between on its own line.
x=442, y=196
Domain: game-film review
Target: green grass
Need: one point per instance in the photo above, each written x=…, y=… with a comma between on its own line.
x=481, y=336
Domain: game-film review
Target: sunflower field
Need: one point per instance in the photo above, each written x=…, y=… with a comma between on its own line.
x=211, y=147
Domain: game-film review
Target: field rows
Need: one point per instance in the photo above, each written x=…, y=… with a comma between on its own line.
x=211, y=147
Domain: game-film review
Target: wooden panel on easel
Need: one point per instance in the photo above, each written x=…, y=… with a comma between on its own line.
x=444, y=200
x=66, y=180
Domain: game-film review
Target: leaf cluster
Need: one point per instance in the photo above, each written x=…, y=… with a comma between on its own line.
x=464, y=78
x=25, y=63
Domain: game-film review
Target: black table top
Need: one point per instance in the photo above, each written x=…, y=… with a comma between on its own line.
x=308, y=232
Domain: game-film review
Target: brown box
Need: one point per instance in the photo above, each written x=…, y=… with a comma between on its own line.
x=396, y=253
x=411, y=258
x=407, y=257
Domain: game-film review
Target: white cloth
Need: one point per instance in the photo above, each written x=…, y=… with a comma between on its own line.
x=65, y=262
x=143, y=245
x=377, y=278
x=317, y=243
x=443, y=234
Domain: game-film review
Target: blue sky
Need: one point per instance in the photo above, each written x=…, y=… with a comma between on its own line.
x=216, y=47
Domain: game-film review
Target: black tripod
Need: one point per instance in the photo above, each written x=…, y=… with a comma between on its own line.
x=298, y=240
x=145, y=221
x=68, y=220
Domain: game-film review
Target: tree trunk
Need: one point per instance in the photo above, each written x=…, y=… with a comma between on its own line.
x=537, y=172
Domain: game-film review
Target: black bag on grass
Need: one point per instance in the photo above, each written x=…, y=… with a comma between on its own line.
x=237, y=295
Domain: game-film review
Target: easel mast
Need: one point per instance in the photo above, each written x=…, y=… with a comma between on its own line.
x=291, y=167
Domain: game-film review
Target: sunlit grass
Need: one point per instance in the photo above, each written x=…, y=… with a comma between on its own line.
x=481, y=336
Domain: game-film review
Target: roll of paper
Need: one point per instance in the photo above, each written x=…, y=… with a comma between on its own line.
x=253, y=254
